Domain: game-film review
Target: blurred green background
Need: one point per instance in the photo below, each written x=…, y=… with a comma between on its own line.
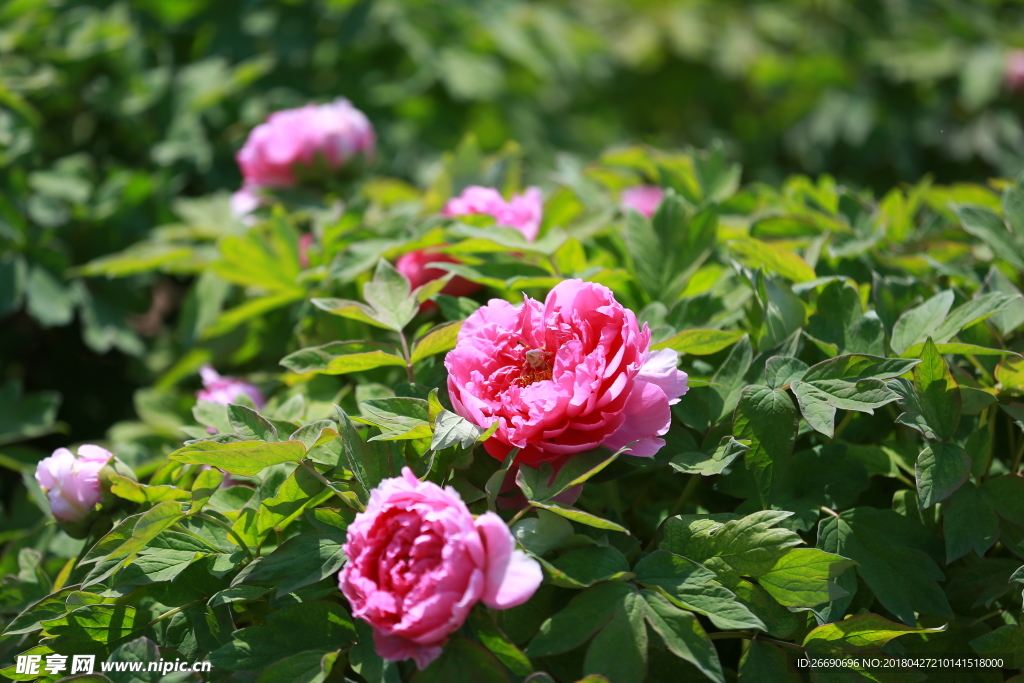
x=110, y=112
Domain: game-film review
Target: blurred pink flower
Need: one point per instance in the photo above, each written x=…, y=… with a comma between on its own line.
x=419, y=562
x=523, y=212
x=225, y=390
x=335, y=133
x=305, y=244
x=244, y=202
x=72, y=484
x=643, y=198
x=413, y=265
x=1015, y=70
x=563, y=376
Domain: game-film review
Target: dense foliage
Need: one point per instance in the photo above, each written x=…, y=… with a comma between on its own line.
x=849, y=445
x=842, y=477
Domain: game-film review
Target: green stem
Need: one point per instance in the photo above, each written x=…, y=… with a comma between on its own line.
x=408, y=358
x=312, y=470
x=232, y=532
x=842, y=424
x=684, y=497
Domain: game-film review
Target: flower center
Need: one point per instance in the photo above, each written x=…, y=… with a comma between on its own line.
x=536, y=367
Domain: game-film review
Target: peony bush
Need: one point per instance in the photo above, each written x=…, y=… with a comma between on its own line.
x=635, y=422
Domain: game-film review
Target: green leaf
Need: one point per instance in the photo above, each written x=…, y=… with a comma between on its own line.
x=369, y=462
x=765, y=662
x=397, y=418
x=699, y=342
x=149, y=525
x=579, y=516
x=767, y=419
x=315, y=434
x=695, y=462
x=941, y=469
x=691, y=586
x=300, y=561
x=969, y=313
x=957, y=348
x=619, y=651
x=840, y=322
x=749, y=546
x=724, y=390
x=31, y=618
x=894, y=557
x=438, y=340
x=306, y=667
x=920, y=322
x=860, y=632
x=987, y=226
x=498, y=643
x=90, y=628
x=340, y=358
x=463, y=660
x=540, y=484
x=857, y=366
x=249, y=424
x=786, y=263
x=584, y=616
x=803, y=577
x=352, y=310
x=237, y=594
x=388, y=293
x=129, y=489
x=286, y=632
x=591, y=564
x=502, y=276
x=682, y=634
x=26, y=417
x=206, y=484
x=451, y=429
x=542, y=533
x=302, y=489
x=245, y=458
x=1005, y=640
x=780, y=371
x=970, y=523
x=932, y=403
x=819, y=399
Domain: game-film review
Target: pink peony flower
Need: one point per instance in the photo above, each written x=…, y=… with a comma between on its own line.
x=335, y=133
x=1015, y=70
x=523, y=212
x=564, y=376
x=225, y=390
x=72, y=484
x=643, y=198
x=244, y=202
x=418, y=561
x=305, y=244
x=414, y=266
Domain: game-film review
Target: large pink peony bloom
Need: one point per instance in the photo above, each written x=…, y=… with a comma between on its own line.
x=418, y=561
x=523, y=212
x=564, y=376
x=643, y=198
x=334, y=134
x=225, y=390
x=72, y=485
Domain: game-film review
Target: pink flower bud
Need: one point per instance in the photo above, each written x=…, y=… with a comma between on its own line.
x=72, y=484
x=563, y=376
x=334, y=134
x=225, y=390
x=419, y=562
x=643, y=198
x=414, y=266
